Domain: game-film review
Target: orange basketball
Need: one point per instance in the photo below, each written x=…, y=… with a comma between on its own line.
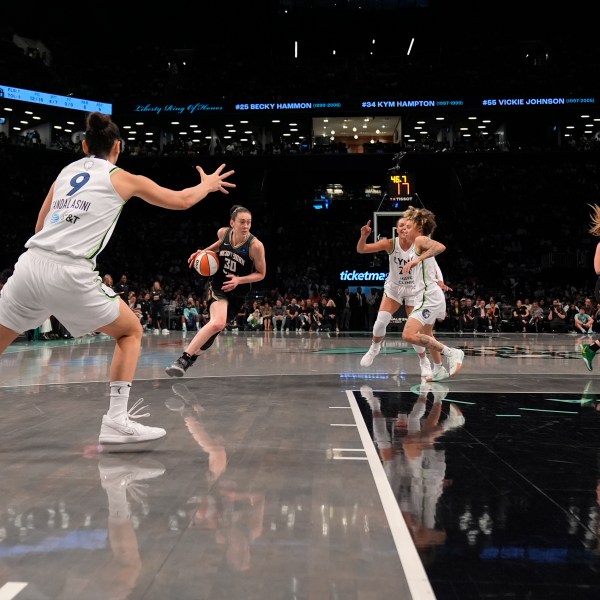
x=206, y=262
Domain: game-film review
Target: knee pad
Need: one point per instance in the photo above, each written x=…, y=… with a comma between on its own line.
x=381, y=323
x=418, y=349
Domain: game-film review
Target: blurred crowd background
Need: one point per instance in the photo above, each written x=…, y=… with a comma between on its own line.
x=514, y=219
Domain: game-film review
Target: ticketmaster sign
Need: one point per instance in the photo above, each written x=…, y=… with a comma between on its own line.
x=362, y=276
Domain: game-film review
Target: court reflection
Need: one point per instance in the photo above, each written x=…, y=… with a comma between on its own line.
x=229, y=510
x=406, y=439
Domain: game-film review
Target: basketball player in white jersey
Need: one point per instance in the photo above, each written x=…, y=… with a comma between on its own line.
x=57, y=274
x=398, y=290
x=430, y=302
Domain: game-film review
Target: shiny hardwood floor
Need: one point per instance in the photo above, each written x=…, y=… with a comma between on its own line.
x=289, y=472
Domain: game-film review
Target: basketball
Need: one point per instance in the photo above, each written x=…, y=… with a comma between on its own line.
x=206, y=262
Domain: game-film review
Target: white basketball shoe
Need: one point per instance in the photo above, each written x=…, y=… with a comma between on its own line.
x=369, y=357
x=126, y=430
x=426, y=372
x=455, y=361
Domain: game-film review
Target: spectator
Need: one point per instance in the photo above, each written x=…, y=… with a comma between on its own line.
x=254, y=320
x=583, y=322
x=292, y=319
x=279, y=315
x=520, y=316
x=190, y=320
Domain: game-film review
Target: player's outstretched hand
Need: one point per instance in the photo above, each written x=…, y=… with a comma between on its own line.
x=216, y=181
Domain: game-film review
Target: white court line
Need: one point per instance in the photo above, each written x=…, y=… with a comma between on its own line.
x=418, y=582
x=9, y=590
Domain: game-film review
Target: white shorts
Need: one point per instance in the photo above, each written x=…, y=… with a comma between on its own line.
x=45, y=283
x=431, y=307
x=399, y=293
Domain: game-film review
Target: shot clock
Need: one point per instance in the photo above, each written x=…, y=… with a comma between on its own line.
x=400, y=186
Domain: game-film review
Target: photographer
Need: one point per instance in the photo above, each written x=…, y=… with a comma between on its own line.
x=557, y=318
x=536, y=322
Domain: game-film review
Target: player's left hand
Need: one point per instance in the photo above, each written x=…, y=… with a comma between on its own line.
x=231, y=283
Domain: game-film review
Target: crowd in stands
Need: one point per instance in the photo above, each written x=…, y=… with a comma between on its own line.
x=339, y=310
x=514, y=226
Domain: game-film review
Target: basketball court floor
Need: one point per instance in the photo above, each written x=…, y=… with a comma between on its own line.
x=289, y=472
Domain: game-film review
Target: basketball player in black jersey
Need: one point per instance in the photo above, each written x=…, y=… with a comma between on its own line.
x=588, y=351
x=241, y=263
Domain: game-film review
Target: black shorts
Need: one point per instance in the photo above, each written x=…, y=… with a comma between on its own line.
x=597, y=290
x=234, y=301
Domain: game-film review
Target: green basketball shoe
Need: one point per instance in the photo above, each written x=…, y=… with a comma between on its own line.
x=587, y=355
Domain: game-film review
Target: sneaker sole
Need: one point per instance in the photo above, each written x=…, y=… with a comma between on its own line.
x=128, y=439
x=440, y=378
x=366, y=362
x=175, y=372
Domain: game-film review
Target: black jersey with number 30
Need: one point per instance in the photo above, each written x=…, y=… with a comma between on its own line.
x=235, y=261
